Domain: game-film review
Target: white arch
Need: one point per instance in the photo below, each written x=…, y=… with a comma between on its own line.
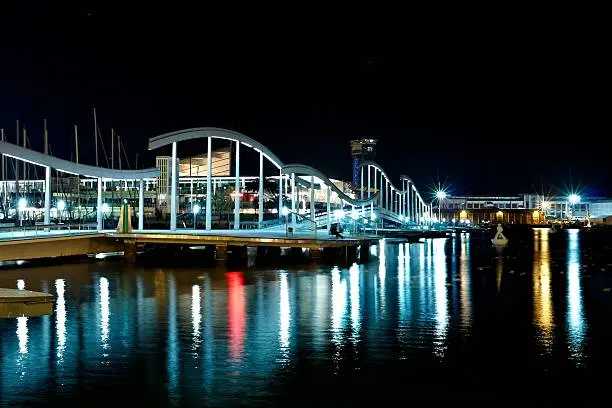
x=215, y=133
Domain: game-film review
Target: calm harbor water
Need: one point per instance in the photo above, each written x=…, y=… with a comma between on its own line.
x=448, y=319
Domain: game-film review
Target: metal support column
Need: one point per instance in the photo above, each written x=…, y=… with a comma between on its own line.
x=99, y=204
x=328, y=208
x=209, y=192
x=141, y=205
x=362, y=183
x=261, y=190
x=173, y=197
x=280, y=193
x=312, y=201
x=293, y=199
x=380, y=192
x=386, y=194
x=47, y=219
x=237, y=189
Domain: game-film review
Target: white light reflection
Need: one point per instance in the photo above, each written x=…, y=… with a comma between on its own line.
x=196, y=317
x=285, y=315
x=382, y=273
x=104, y=314
x=60, y=319
x=338, y=295
x=575, y=313
x=464, y=270
x=20, y=284
x=22, y=334
x=354, y=293
x=439, y=269
x=542, y=295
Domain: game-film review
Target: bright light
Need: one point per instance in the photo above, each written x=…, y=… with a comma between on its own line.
x=443, y=219
x=373, y=217
x=467, y=221
x=236, y=195
x=441, y=195
x=545, y=205
x=285, y=211
x=453, y=220
x=196, y=209
x=105, y=208
x=354, y=215
x=401, y=218
x=339, y=214
x=22, y=204
x=574, y=198
x=61, y=205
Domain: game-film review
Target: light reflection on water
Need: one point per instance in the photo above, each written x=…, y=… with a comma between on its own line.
x=575, y=314
x=542, y=291
x=210, y=337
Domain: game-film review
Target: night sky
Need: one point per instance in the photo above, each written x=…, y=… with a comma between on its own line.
x=481, y=111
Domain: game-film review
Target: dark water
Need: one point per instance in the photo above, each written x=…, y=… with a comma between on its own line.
x=447, y=320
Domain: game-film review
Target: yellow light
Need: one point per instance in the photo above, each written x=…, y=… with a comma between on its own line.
x=499, y=213
x=463, y=214
x=545, y=205
x=536, y=214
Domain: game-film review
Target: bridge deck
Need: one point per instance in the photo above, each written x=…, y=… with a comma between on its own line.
x=304, y=239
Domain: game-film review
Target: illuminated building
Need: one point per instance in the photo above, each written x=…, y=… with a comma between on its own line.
x=361, y=150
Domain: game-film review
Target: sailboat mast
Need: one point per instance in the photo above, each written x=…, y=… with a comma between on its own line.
x=25, y=168
x=76, y=142
x=17, y=165
x=46, y=136
x=96, y=135
x=112, y=148
x=76, y=148
x=119, y=149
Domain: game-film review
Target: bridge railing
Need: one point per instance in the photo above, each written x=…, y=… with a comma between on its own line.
x=43, y=229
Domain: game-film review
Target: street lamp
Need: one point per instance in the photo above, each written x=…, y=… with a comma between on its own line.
x=574, y=198
x=196, y=209
x=21, y=205
x=61, y=206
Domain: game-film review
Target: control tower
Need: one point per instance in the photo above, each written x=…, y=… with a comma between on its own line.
x=361, y=150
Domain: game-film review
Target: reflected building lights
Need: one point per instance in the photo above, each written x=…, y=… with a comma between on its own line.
x=354, y=294
x=60, y=319
x=22, y=334
x=20, y=284
x=104, y=314
x=196, y=317
x=236, y=314
x=173, y=366
x=542, y=295
x=464, y=270
x=575, y=313
x=441, y=301
x=338, y=295
x=285, y=316
x=382, y=273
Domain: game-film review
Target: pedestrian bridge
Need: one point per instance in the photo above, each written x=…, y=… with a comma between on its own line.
x=376, y=201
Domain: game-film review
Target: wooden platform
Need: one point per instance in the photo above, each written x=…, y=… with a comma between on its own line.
x=18, y=303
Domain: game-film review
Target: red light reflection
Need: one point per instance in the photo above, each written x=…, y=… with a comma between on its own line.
x=236, y=313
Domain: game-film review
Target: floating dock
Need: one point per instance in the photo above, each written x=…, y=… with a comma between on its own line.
x=18, y=303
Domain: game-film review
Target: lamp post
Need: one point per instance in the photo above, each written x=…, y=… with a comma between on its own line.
x=61, y=206
x=21, y=205
x=105, y=211
x=196, y=209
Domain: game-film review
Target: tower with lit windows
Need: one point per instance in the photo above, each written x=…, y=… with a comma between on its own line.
x=361, y=150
